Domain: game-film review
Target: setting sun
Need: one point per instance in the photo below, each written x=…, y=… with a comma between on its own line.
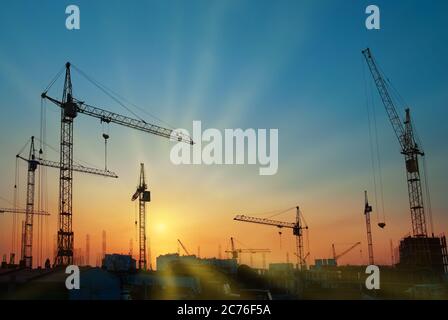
x=160, y=227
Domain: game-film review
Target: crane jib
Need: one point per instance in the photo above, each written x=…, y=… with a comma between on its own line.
x=386, y=98
x=107, y=116
x=71, y=109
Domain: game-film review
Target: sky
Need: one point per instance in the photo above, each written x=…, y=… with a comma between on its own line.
x=295, y=66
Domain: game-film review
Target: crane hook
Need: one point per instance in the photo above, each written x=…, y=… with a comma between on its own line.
x=106, y=137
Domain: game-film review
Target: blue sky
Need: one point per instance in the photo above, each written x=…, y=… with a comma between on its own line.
x=292, y=65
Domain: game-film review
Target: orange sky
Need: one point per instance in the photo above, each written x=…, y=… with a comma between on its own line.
x=229, y=64
x=197, y=204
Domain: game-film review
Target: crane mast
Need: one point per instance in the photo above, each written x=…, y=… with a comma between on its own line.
x=70, y=107
x=27, y=235
x=297, y=231
x=143, y=196
x=409, y=148
x=367, y=211
x=234, y=252
x=65, y=237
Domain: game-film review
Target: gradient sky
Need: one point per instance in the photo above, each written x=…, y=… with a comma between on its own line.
x=292, y=65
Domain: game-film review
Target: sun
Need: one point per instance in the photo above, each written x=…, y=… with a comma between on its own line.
x=160, y=227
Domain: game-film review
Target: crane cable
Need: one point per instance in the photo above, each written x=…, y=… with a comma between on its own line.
x=428, y=198
x=6, y=200
x=380, y=171
x=43, y=184
x=374, y=146
x=55, y=78
x=271, y=213
x=39, y=197
x=77, y=162
x=281, y=212
x=16, y=206
x=106, y=137
x=118, y=98
x=135, y=220
x=242, y=244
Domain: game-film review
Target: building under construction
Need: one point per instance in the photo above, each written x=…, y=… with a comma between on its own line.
x=425, y=253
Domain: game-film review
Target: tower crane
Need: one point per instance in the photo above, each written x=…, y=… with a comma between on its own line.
x=143, y=196
x=21, y=211
x=33, y=162
x=70, y=108
x=409, y=148
x=183, y=247
x=296, y=227
x=236, y=252
x=367, y=211
x=343, y=253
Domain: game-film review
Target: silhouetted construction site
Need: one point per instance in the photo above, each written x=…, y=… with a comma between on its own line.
x=418, y=269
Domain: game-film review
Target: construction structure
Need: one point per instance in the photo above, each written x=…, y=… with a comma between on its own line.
x=143, y=196
x=367, y=211
x=296, y=227
x=236, y=253
x=343, y=253
x=419, y=250
x=183, y=247
x=33, y=162
x=70, y=108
